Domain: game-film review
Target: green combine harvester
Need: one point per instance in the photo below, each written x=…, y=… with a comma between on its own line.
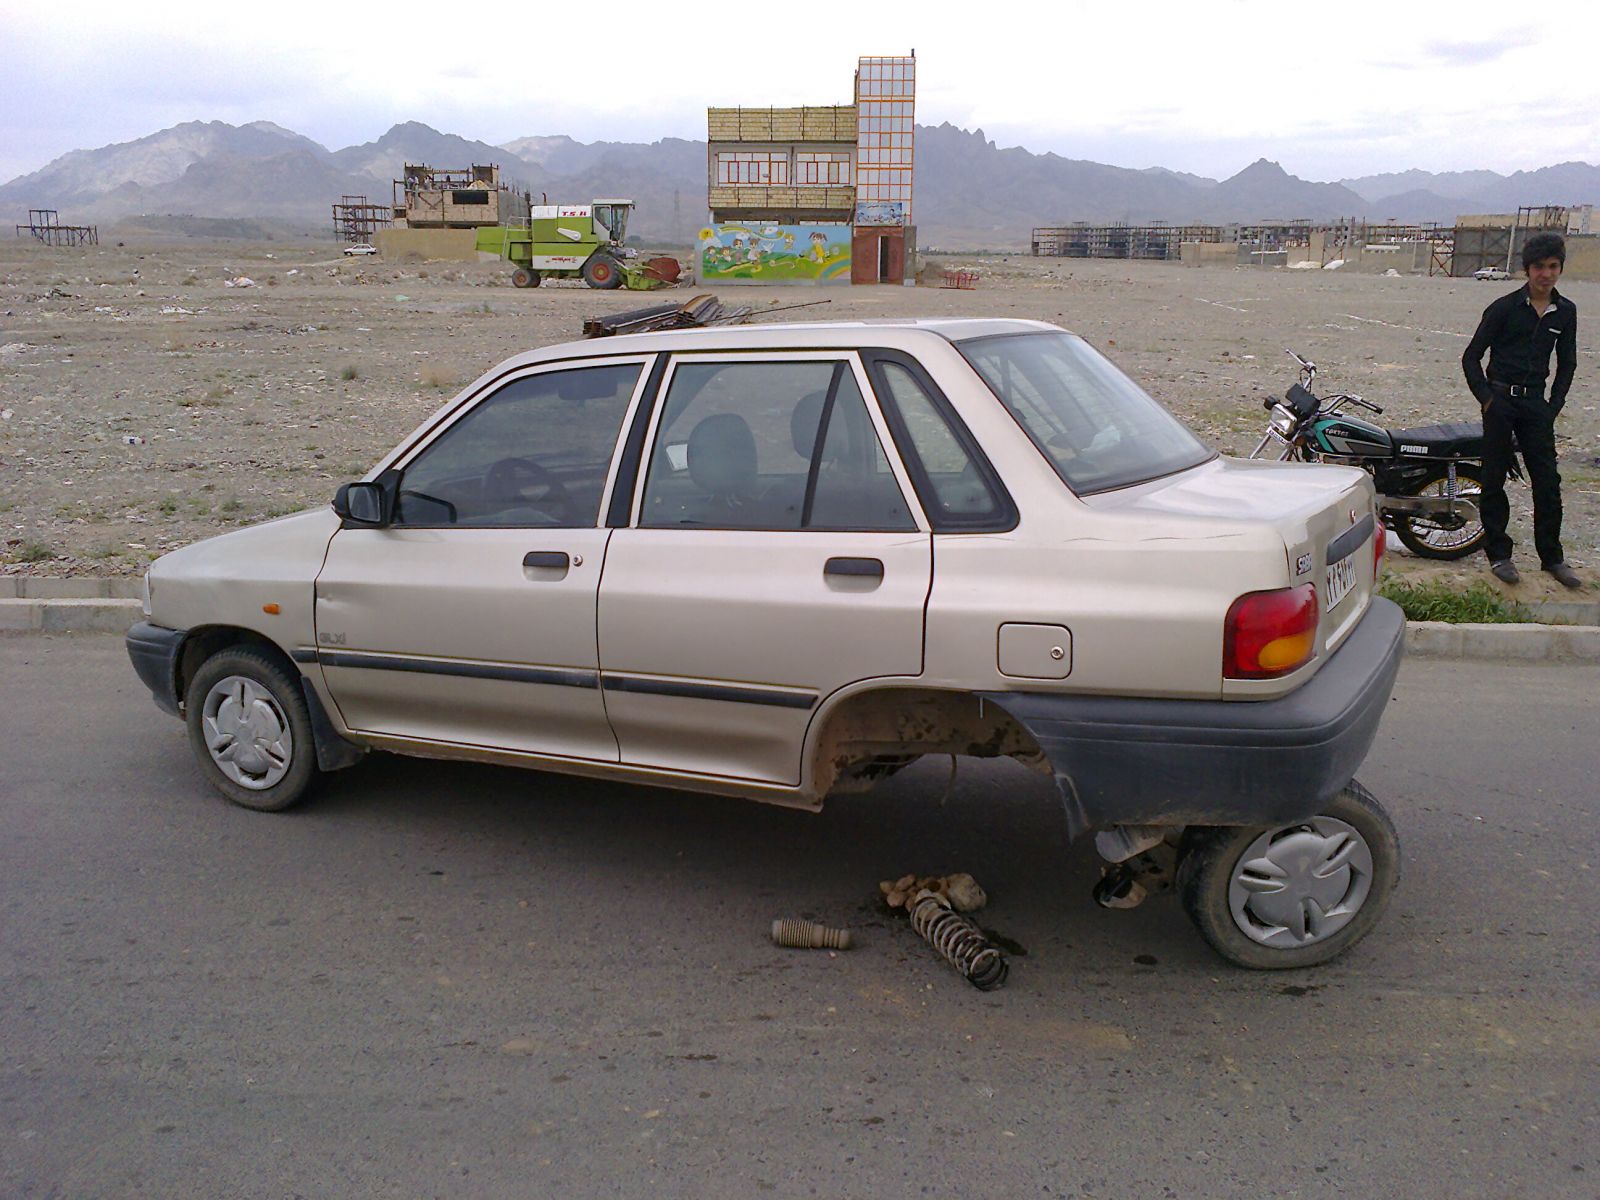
x=575, y=241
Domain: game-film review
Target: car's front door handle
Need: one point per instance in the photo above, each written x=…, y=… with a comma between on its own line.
x=869, y=568
x=556, y=559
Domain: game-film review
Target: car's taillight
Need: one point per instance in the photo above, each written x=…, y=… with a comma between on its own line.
x=1268, y=634
x=1380, y=545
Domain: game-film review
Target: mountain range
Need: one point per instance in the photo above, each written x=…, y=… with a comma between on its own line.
x=970, y=192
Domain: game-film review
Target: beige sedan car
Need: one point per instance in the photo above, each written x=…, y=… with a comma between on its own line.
x=782, y=562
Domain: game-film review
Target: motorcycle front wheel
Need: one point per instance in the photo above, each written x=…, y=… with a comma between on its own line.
x=1437, y=536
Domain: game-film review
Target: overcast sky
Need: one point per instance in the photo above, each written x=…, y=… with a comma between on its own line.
x=1358, y=89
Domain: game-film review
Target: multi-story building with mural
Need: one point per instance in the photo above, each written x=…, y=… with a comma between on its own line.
x=817, y=194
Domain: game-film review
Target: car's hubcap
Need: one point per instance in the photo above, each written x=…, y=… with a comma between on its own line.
x=246, y=732
x=1300, y=885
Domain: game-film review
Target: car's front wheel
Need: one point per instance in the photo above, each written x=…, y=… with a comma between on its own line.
x=251, y=730
x=1295, y=896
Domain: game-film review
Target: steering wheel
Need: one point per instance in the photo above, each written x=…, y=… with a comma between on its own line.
x=511, y=480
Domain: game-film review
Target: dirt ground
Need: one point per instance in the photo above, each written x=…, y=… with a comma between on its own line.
x=145, y=404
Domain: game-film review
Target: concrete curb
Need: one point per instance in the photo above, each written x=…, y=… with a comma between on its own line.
x=100, y=613
x=79, y=587
x=69, y=614
x=1525, y=643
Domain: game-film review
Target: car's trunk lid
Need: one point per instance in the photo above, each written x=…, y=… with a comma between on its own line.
x=1326, y=517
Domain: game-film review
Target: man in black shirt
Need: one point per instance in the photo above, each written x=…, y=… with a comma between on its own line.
x=1519, y=331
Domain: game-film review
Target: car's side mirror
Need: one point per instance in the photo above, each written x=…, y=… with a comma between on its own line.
x=362, y=504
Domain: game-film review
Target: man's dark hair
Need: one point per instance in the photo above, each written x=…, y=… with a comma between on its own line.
x=1542, y=246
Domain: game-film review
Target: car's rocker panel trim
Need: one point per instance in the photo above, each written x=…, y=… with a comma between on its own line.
x=1127, y=760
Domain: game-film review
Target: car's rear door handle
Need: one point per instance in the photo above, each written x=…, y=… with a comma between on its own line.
x=868, y=568
x=556, y=559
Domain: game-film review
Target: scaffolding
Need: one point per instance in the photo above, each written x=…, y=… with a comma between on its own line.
x=44, y=225
x=357, y=219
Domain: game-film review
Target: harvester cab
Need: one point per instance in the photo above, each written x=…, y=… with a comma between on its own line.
x=612, y=215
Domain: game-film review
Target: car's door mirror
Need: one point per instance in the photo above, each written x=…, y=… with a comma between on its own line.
x=362, y=504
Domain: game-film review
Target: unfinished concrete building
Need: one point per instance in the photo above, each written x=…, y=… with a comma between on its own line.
x=438, y=198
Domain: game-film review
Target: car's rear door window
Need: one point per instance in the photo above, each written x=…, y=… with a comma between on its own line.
x=957, y=486
x=1098, y=428
x=535, y=453
x=780, y=445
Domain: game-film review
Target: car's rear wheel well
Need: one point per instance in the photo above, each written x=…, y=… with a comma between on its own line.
x=871, y=735
x=207, y=640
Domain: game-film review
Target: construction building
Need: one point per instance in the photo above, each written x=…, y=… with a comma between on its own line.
x=818, y=194
x=437, y=198
x=1471, y=244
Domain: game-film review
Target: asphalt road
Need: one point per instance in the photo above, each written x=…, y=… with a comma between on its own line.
x=440, y=980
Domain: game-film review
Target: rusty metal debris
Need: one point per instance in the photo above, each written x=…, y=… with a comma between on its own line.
x=958, y=941
x=809, y=935
x=697, y=312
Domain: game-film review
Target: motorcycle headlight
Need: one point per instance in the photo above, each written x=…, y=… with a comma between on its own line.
x=1283, y=422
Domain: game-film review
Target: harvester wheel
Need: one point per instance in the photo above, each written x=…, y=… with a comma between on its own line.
x=602, y=271
x=524, y=277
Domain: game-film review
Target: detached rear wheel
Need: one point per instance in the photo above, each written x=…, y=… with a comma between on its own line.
x=250, y=729
x=1296, y=896
x=1439, y=536
x=602, y=271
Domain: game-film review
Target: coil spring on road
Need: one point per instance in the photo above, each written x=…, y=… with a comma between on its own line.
x=959, y=942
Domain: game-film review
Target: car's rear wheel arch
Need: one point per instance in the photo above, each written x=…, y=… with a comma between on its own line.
x=865, y=735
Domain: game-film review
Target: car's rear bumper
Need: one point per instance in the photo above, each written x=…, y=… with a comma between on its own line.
x=154, y=651
x=1130, y=761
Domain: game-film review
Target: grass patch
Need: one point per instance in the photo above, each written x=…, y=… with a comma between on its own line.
x=349, y=373
x=438, y=377
x=32, y=552
x=1478, y=605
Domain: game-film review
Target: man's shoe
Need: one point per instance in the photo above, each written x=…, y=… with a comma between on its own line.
x=1565, y=575
x=1506, y=571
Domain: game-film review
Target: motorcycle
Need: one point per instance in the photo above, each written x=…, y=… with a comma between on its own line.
x=1428, y=479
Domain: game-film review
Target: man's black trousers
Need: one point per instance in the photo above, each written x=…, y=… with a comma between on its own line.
x=1528, y=418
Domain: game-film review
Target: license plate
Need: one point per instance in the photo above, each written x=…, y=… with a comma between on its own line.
x=1341, y=578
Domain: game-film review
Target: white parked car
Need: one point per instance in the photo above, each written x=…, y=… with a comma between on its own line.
x=782, y=562
x=1495, y=273
x=359, y=248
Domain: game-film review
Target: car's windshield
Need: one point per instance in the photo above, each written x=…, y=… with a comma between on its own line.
x=1097, y=427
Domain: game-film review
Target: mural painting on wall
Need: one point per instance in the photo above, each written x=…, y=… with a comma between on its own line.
x=757, y=253
x=880, y=212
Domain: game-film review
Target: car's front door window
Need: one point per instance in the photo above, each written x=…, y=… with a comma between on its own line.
x=533, y=454
x=770, y=445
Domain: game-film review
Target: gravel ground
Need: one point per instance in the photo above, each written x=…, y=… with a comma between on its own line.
x=147, y=404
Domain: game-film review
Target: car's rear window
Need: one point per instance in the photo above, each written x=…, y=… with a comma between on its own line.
x=1098, y=428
